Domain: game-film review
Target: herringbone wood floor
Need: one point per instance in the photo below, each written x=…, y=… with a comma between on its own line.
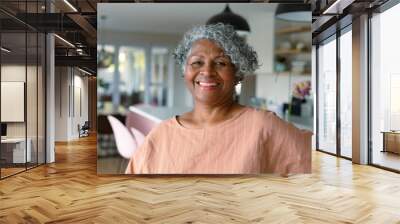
x=69, y=191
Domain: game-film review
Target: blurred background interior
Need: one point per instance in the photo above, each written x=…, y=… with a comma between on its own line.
x=138, y=80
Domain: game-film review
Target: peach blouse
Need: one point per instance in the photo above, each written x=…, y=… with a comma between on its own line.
x=254, y=141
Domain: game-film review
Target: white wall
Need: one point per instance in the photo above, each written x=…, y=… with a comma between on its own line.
x=66, y=101
x=61, y=103
x=278, y=87
x=12, y=73
x=261, y=38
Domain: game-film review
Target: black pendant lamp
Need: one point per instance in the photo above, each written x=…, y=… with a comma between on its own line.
x=228, y=17
x=294, y=12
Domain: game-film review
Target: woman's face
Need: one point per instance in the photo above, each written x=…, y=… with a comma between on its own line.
x=209, y=73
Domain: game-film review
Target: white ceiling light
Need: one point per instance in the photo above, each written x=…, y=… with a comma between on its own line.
x=70, y=5
x=337, y=7
x=65, y=41
x=294, y=12
x=5, y=49
x=86, y=72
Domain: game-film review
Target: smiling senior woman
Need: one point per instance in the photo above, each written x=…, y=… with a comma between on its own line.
x=220, y=136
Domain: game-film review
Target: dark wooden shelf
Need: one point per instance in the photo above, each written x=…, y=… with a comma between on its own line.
x=291, y=51
x=305, y=73
x=290, y=30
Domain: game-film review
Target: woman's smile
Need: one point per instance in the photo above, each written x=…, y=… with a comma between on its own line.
x=208, y=85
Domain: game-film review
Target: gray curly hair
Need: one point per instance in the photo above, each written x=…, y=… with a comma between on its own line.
x=241, y=54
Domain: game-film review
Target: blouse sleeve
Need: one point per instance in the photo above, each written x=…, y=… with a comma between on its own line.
x=288, y=148
x=138, y=162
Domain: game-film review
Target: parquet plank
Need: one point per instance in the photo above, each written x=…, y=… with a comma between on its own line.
x=70, y=191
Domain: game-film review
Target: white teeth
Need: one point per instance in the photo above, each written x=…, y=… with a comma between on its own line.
x=207, y=84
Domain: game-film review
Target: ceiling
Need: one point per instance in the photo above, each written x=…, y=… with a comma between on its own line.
x=177, y=17
x=329, y=17
x=77, y=26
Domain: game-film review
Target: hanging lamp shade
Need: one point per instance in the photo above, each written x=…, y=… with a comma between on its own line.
x=228, y=17
x=294, y=12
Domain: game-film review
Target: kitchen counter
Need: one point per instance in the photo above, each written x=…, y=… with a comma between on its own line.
x=156, y=113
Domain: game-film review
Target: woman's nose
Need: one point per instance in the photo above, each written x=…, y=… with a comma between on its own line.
x=208, y=69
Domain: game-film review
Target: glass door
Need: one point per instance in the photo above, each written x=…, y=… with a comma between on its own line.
x=385, y=89
x=345, y=41
x=32, y=98
x=327, y=96
x=22, y=101
x=14, y=154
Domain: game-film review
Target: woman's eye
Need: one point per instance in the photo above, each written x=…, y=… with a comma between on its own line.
x=221, y=63
x=196, y=63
